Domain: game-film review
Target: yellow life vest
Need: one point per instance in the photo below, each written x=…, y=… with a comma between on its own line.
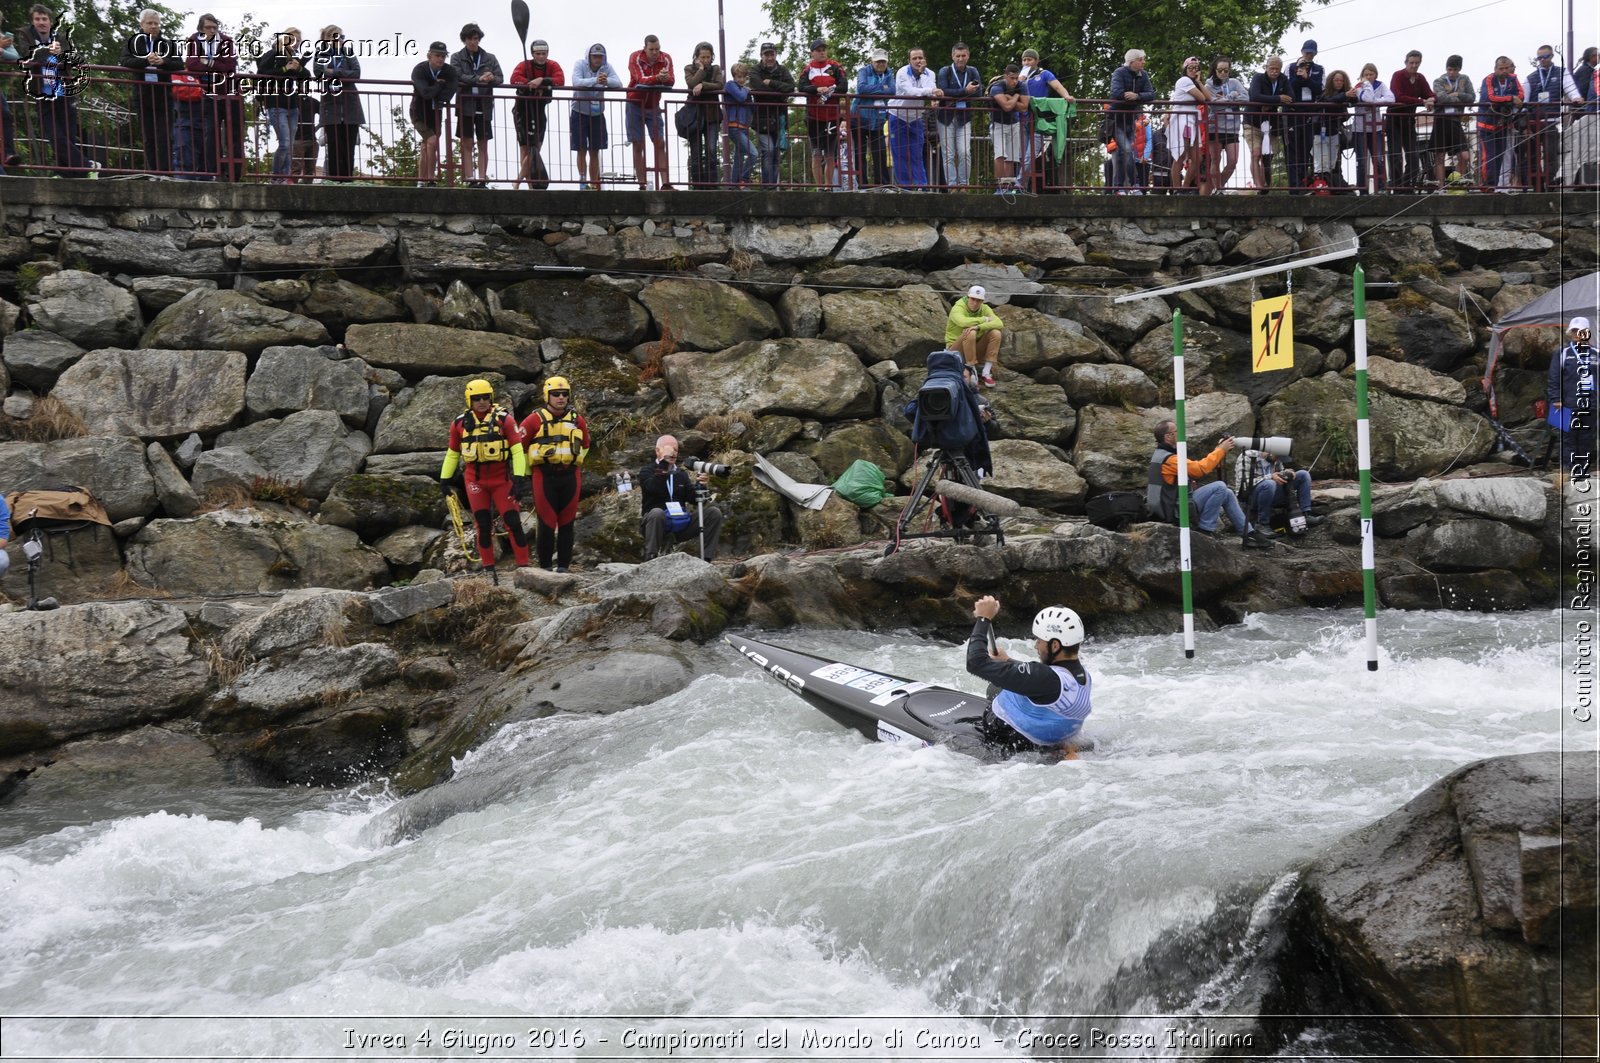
x=559, y=442
x=484, y=441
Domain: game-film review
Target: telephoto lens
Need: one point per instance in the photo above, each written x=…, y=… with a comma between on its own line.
x=710, y=468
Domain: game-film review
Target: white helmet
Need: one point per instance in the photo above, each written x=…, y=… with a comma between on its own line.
x=1059, y=623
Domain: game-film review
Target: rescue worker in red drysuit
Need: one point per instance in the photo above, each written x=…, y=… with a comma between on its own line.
x=557, y=440
x=486, y=441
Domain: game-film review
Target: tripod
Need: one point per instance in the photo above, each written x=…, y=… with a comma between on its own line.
x=949, y=480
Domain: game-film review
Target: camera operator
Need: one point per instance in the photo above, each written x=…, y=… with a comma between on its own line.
x=1210, y=500
x=1274, y=478
x=667, y=495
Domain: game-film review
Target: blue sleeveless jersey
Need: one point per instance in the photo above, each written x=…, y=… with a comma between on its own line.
x=1051, y=724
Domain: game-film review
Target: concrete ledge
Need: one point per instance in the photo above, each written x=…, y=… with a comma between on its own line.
x=389, y=200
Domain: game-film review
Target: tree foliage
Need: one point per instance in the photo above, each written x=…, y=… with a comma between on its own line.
x=1082, y=41
x=98, y=29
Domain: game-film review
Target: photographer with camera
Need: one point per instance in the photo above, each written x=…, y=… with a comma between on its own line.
x=670, y=498
x=1266, y=475
x=1209, y=500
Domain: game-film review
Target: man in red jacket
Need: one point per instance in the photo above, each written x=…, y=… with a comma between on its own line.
x=820, y=79
x=1411, y=92
x=649, y=71
x=534, y=79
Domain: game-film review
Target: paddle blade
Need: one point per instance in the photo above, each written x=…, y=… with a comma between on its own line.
x=519, y=19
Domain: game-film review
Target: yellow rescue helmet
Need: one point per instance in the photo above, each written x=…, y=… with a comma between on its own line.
x=556, y=383
x=479, y=389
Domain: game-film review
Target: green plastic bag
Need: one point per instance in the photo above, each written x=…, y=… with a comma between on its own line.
x=862, y=483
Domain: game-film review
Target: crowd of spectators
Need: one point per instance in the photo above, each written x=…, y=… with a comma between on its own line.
x=905, y=125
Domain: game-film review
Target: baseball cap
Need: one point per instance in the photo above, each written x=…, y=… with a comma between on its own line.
x=1577, y=324
x=768, y=46
x=438, y=46
x=977, y=292
x=597, y=50
x=879, y=53
x=1309, y=46
x=819, y=44
x=1030, y=54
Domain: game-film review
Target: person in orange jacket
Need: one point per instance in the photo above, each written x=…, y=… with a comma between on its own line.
x=486, y=444
x=557, y=440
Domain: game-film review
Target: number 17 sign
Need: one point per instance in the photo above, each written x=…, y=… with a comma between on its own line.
x=1272, y=334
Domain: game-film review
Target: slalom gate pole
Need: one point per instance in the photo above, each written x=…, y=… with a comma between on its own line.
x=1184, y=558
x=1369, y=586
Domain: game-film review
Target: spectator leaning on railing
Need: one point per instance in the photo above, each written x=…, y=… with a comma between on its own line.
x=771, y=84
x=8, y=129
x=1367, y=127
x=1548, y=89
x=1269, y=91
x=338, y=68
x=433, y=84
x=1225, y=116
x=52, y=67
x=477, y=73
x=154, y=58
x=212, y=56
x=1453, y=96
x=1006, y=127
x=913, y=85
x=703, y=79
x=962, y=86
x=1499, y=102
x=740, y=117
x=1411, y=92
x=1131, y=89
x=591, y=76
x=1302, y=116
x=649, y=71
x=535, y=80
x=821, y=80
x=874, y=80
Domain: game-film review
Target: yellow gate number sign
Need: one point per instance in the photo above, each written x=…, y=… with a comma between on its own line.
x=1272, y=334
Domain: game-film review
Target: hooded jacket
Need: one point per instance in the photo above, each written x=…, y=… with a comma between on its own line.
x=588, y=98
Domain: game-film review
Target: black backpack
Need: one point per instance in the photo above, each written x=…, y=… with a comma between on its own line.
x=1116, y=509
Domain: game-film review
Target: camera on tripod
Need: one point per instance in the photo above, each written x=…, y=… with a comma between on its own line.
x=710, y=468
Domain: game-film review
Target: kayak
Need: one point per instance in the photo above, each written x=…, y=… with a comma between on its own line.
x=886, y=708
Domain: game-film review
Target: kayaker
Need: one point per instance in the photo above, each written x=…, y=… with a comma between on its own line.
x=1041, y=704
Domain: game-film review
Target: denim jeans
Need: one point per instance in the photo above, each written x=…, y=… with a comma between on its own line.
x=955, y=148
x=1218, y=497
x=744, y=156
x=1124, y=164
x=282, y=128
x=1269, y=494
x=769, y=156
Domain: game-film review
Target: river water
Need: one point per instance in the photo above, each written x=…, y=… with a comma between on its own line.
x=730, y=866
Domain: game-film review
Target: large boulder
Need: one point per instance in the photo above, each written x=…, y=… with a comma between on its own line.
x=156, y=394
x=1410, y=438
x=116, y=250
x=297, y=621
x=590, y=309
x=1113, y=448
x=888, y=243
x=1525, y=346
x=1486, y=245
x=1411, y=381
x=804, y=242
x=86, y=309
x=414, y=349
x=289, y=379
x=813, y=378
x=433, y=255
x=225, y=471
x=155, y=294
x=338, y=304
x=342, y=247
x=1413, y=329
x=702, y=315
x=229, y=551
x=229, y=320
x=1006, y=241
x=97, y=667
x=1028, y=473
x=1032, y=341
x=1464, y=545
x=1001, y=284
x=1522, y=500
x=418, y=419
x=603, y=379
x=312, y=448
x=1040, y=412
x=374, y=506
x=872, y=440
x=111, y=468
x=36, y=359
x=800, y=313
x=176, y=496
x=900, y=326
x=1468, y=916
x=1120, y=324
x=1109, y=385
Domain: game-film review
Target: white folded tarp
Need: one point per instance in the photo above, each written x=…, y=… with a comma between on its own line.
x=811, y=496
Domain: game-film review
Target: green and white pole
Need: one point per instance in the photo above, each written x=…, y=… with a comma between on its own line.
x=1369, y=583
x=1184, y=562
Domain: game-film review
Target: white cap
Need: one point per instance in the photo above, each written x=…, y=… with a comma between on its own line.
x=879, y=53
x=977, y=292
x=1578, y=323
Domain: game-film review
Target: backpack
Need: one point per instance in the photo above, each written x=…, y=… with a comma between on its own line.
x=1116, y=509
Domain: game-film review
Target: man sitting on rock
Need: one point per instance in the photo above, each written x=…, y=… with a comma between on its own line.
x=1161, y=491
x=667, y=499
x=1269, y=480
x=974, y=329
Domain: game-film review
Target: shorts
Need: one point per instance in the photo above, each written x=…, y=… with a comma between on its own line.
x=639, y=119
x=1447, y=135
x=1226, y=138
x=475, y=125
x=824, y=136
x=424, y=119
x=589, y=132
x=1252, y=137
x=1007, y=141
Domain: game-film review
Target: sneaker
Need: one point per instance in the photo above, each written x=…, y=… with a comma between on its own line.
x=1258, y=537
x=1313, y=519
x=560, y=569
x=988, y=379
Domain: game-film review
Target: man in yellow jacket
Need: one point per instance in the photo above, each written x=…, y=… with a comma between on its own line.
x=973, y=328
x=486, y=444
